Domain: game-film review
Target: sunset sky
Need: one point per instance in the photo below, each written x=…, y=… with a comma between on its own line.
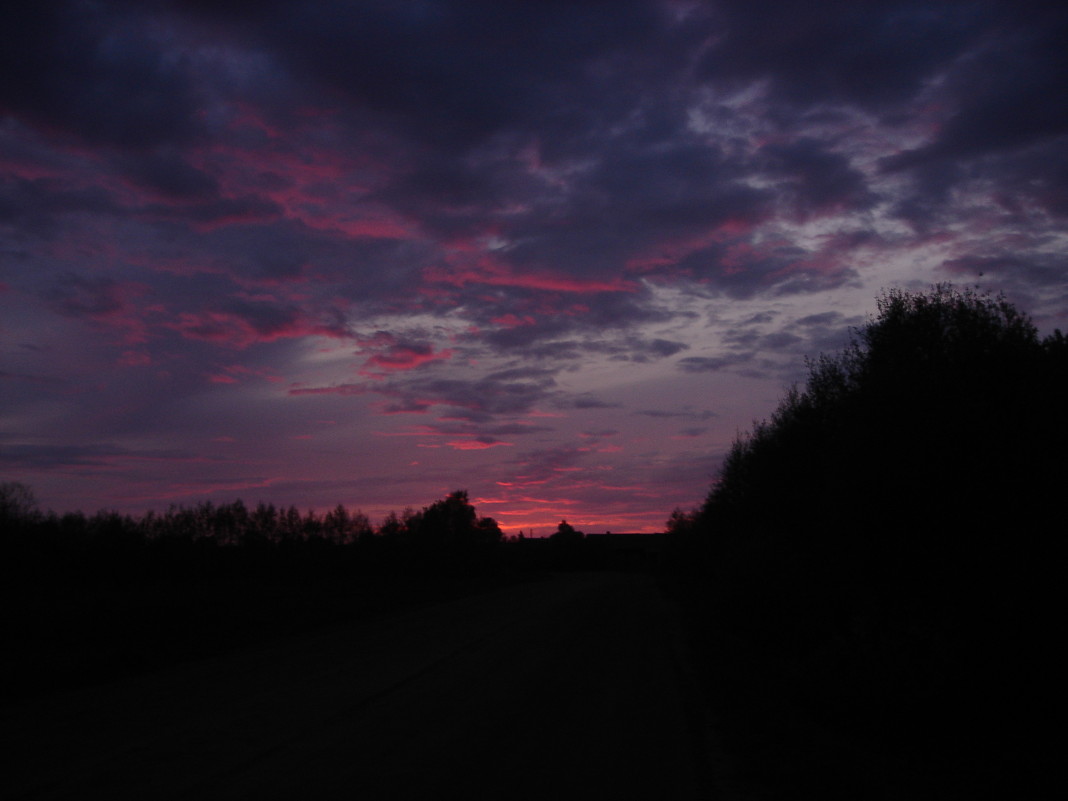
x=555, y=253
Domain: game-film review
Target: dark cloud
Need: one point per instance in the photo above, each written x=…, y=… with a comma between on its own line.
x=21, y=455
x=1003, y=93
x=819, y=320
x=486, y=433
x=540, y=375
x=97, y=71
x=816, y=180
x=584, y=400
x=215, y=211
x=703, y=364
x=778, y=341
x=169, y=174
x=542, y=465
x=872, y=54
x=693, y=431
x=482, y=400
x=635, y=198
x=86, y=297
x=684, y=413
x=37, y=205
x=601, y=433
x=452, y=72
x=1049, y=271
x=600, y=326
x=29, y=377
x=999, y=123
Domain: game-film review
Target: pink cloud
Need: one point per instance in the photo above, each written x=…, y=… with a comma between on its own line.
x=108, y=305
x=337, y=389
x=511, y=321
x=225, y=329
x=241, y=214
x=398, y=356
x=522, y=481
x=418, y=431
x=135, y=358
x=668, y=253
x=235, y=331
x=476, y=444
x=234, y=373
x=367, y=227
x=826, y=262
x=491, y=272
x=322, y=187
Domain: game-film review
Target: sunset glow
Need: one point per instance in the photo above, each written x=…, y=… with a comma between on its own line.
x=557, y=255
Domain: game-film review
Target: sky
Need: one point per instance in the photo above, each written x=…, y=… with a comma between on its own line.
x=558, y=254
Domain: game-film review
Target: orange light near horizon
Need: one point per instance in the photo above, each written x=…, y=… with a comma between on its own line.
x=543, y=526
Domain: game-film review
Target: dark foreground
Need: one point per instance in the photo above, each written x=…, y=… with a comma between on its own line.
x=577, y=685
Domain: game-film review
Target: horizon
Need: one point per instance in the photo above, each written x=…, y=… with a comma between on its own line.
x=367, y=253
x=530, y=532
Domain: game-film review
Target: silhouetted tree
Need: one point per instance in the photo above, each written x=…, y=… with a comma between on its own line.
x=452, y=523
x=17, y=502
x=889, y=522
x=565, y=532
x=102, y=595
x=487, y=531
x=391, y=528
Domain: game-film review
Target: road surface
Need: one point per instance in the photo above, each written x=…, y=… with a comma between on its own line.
x=575, y=686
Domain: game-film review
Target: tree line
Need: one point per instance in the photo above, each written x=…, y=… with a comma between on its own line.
x=98, y=596
x=883, y=551
x=451, y=521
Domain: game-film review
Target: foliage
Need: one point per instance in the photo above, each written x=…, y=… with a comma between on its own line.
x=102, y=594
x=17, y=502
x=565, y=532
x=447, y=524
x=897, y=504
x=452, y=523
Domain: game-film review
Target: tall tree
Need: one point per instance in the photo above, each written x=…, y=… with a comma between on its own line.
x=891, y=519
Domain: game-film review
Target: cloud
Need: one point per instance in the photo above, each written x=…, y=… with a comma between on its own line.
x=701, y=364
x=1002, y=102
x=813, y=180
x=874, y=55
x=684, y=413
x=584, y=400
x=336, y=389
x=389, y=354
x=537, y=467
x=450, y=74
x=502, y=230
x=691, y=432
x=240, y=323
x=87, y=297
x=477, y=444
x=170, y=175
x=66, y=64
x=36, y=456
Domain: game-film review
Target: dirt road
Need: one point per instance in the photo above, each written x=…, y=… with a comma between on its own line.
x=573, y=686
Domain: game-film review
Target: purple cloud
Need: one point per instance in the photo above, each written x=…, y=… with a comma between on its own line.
x=478, y=236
